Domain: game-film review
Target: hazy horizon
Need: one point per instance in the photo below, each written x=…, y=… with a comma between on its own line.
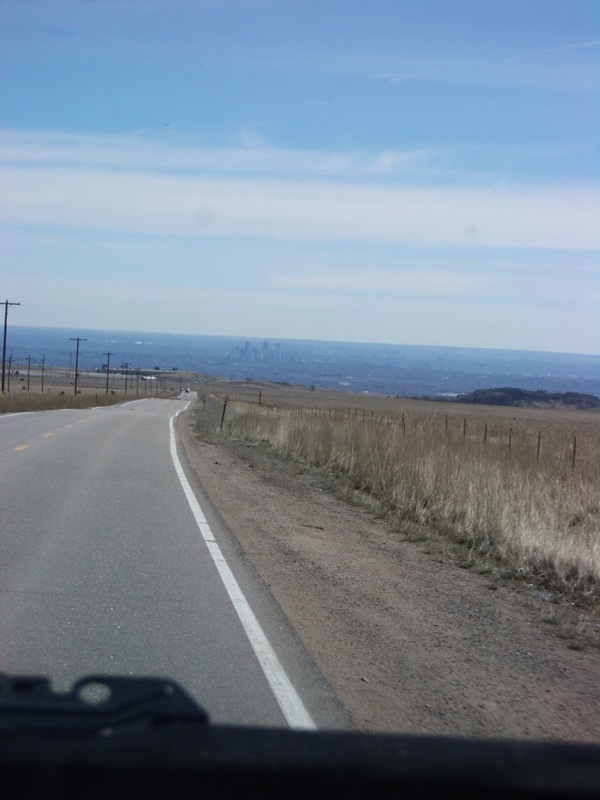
x=241, y=337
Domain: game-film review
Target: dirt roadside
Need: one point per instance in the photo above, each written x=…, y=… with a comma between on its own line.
x=408, y=639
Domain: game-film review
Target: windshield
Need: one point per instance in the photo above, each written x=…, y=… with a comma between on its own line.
x=308, y=295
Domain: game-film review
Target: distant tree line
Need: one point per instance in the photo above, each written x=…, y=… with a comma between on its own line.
x=509, y=396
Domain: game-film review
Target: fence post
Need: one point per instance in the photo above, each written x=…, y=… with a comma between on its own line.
x=537, y=457
x=574, y=451
x=485, y=433
x=223, y=414
x=510, y=439
x=464, y=428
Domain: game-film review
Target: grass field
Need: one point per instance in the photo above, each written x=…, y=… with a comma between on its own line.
x=29, y=390
x=516, y=486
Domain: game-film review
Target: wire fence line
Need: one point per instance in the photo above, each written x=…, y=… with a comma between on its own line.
x=523, y=489
x=549, y=444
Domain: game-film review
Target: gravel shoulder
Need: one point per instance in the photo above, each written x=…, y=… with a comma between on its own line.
x=409, y=640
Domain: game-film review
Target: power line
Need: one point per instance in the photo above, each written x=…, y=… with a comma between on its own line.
x=6, y=304
x=108, y=355
x=77, y=339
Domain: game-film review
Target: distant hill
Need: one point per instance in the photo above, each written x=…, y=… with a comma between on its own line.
x=509, y=396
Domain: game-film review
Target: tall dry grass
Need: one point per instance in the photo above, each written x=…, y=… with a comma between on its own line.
x=489, y=487
x=15, y=402
x=18, y=403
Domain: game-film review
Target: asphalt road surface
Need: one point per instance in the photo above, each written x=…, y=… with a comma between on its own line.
x=112, y=561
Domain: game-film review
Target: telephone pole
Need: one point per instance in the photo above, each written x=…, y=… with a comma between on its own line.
x=77, y=339
x=126, y=368
x=108, y=355
x=10, y=360
x=6, y=304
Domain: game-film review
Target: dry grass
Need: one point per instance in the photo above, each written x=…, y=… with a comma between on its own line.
x=471, y=475
x=28, y=392
x=16, y=403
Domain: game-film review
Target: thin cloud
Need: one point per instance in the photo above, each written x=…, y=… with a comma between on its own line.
x=471, y=276
x=533, y=69
x=562, y=216
x=558, y=49
x=423, y=282
x=576, y=46
x=178, y=154
x=402, y=77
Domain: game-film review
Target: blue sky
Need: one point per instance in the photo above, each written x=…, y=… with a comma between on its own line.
x=419, y=172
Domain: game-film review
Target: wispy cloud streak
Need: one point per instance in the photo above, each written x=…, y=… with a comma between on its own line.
x=557, y=49
x=561, y=216
x=177, y=154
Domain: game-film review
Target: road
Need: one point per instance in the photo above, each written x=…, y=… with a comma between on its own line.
x=109, y=564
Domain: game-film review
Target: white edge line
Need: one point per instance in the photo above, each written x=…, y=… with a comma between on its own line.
x=292, y=707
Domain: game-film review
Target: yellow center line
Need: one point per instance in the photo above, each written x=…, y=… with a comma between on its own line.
x=47, y=434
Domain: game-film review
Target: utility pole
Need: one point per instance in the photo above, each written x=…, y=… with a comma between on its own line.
x=108, y=355
x=77, y=339
x=126, y=368
x=6, y=304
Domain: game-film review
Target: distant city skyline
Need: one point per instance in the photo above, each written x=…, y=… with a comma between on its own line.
x=365, y=367
x=396, y=171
